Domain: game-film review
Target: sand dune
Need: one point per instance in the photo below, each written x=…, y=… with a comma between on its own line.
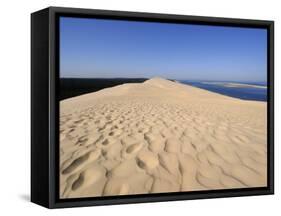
x=160, y=136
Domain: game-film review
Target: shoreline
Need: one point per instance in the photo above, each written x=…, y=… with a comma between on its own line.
x=232, y=91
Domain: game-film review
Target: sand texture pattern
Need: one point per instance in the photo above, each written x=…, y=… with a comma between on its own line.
x=160, y=136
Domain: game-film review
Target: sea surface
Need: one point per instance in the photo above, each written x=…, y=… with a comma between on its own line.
x=251, y=91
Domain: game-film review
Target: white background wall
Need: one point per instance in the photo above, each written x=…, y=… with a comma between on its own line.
x=15, y=106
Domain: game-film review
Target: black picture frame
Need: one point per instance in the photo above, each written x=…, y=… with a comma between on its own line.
x=45, y=106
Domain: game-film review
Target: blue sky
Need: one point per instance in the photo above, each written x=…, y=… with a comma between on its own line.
x=96, y=48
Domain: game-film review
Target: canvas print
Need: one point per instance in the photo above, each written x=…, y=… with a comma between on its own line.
x=150, y=107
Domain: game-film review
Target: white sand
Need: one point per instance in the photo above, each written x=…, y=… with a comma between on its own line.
x=160, y=136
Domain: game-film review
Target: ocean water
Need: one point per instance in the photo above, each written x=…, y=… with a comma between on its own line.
x=241, y=92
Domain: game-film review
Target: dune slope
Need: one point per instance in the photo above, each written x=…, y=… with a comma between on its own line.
x=160, y=136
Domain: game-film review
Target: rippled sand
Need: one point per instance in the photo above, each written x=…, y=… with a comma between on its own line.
x=160, y=136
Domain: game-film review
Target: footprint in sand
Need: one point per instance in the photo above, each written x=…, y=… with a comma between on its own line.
x=133, y=148
x=82, y=160
x=89, y=177
x=147, y=160
x=172, y=145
